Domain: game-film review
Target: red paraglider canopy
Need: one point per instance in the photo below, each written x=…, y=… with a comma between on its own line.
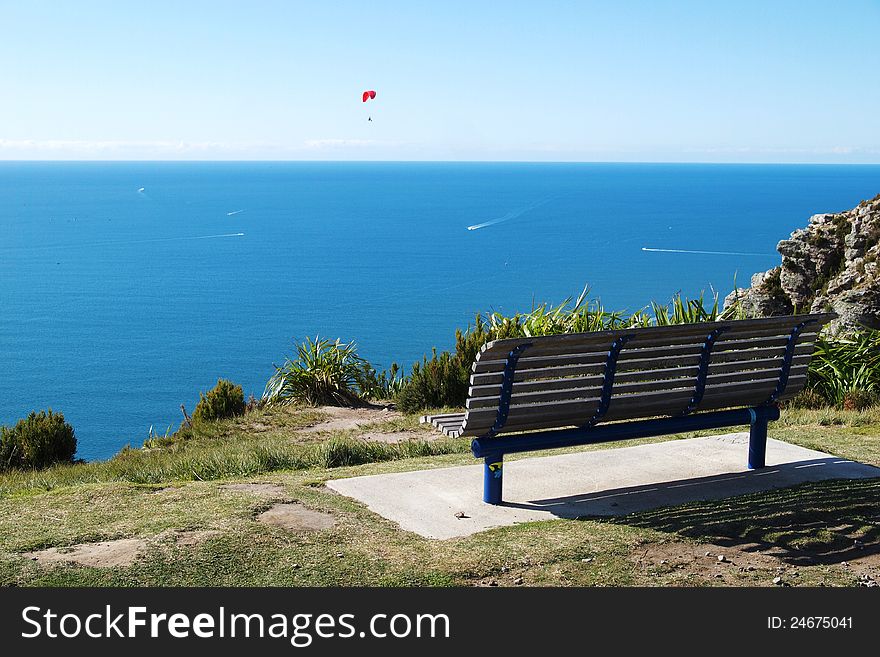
x=369, y=95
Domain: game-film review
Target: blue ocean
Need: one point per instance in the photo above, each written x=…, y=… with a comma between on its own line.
x=126, y=288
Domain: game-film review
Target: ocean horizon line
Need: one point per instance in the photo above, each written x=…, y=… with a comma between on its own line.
x=433, y=161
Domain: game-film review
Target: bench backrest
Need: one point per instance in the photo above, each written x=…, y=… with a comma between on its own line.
x=579, y=379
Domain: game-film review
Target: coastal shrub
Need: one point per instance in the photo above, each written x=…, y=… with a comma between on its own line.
x=38, y=441
x=681, y=310
x=324, y=372
x=846, y=367
x=156, y=439
x=224, y=400
x=859, y=400
x=807, y=399
x=383, y=385
x=441, y=381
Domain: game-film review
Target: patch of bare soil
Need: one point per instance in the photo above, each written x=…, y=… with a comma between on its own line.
x=257, y=488
x=106, y=554
x=704, y=558
x=342, y=418
x=120, y=552
x=296, y=518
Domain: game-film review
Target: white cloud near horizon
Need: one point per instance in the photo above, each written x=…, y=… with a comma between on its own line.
x=174, y=149
x=827, y=150
x=340, y=143
x=127, y=148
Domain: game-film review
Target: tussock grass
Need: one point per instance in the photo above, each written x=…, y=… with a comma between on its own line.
x=827, y=417
x=326, y=372
x=220, y=460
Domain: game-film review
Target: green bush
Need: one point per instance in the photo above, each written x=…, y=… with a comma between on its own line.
x=859, y=400
x=225, y=400
x=441, y=381
x=40, y=440
x=807, y=399
x=381, y=385
x=845, y=369
x=323, y=373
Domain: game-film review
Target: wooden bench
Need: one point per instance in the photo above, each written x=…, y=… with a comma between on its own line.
x=530, y=394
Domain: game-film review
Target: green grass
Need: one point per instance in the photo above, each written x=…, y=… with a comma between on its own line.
x=260, y=442
x=807, y=531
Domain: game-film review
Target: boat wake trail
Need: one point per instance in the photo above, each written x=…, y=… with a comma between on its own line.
x=723, y=253
x=210, y=237
x=167, y=239
x=510, y=215
x=233, y=213
x=122, y=242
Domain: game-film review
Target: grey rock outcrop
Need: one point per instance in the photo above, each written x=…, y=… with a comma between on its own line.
x=831, y=265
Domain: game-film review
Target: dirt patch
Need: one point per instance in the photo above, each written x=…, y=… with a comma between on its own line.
x=296, y=518
x=351, y=418
x=724, y=565
x=704, y=558
x=120, y=552
x=271, y=490
x=107, y=554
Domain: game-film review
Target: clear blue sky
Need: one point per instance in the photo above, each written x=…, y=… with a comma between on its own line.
x=767, y=81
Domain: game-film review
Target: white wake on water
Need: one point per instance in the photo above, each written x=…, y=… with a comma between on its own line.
x=726, y=253
x=166, y=239
x=510, y=215
x=233, y=213
x=210, y=237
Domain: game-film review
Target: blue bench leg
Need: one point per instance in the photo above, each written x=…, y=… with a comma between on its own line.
x=758, y=439
x=493, y=473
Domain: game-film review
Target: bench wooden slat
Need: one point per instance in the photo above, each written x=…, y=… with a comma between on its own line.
x=490, y=389
x=655, y=408
x=664, y=404
x=451, y=424
x=745, y=356
x=592, y=387
x=577, y=408
x=690, y=371
x=663, y=334
x=542, y=373
x=439, y=416
x=563, y=383
x=722, y=399
x=528, y=361
x=547, y=346
x=727, y=360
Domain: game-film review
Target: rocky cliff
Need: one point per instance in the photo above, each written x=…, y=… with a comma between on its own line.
x=832, y=264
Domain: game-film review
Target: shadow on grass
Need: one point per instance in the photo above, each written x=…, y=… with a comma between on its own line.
x=814, y=523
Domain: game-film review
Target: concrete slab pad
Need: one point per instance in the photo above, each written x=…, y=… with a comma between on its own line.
x=447, y=502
